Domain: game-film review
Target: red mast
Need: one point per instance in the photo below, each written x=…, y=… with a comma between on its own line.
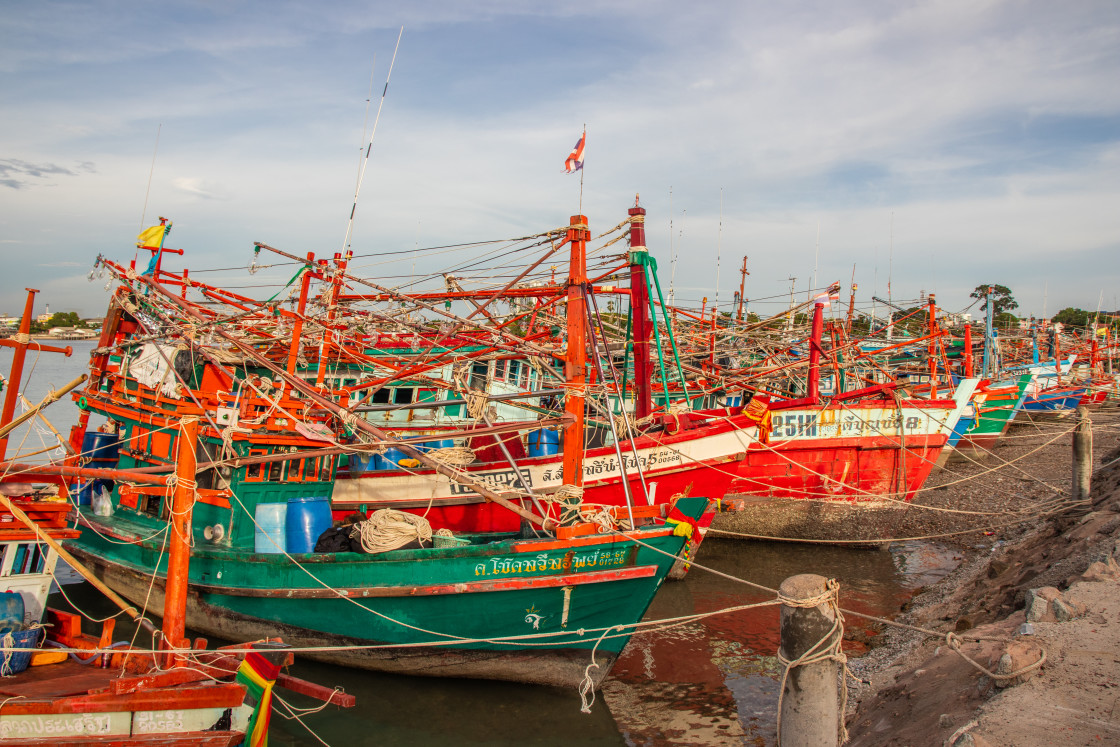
x=576, y=366
x=639, y=312
x=932, y=347
x=814, y=387
x=968, y=350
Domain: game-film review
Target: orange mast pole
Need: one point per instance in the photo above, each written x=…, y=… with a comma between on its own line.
x=19, y=355
x=297, y=328
x=576, y=366
x=179, y=538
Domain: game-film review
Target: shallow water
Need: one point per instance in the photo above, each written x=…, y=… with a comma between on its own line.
x=708, y=682
x=43, y=372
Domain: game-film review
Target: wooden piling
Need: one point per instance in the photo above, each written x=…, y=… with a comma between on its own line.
x=809, y=715
x=1082, y=457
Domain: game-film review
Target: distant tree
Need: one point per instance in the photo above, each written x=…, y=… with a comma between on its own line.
x=64, y=319
x=1072, y=317
x=1002, y=299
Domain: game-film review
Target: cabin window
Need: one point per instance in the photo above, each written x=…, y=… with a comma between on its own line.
x=25, y=557
x=381, y=396
x=255, y=472
x=207, y=479
x=525, y=376
x=500, y=370
x=514, y=368
x=139, y=440
x=275, y=471
x=479, y=372
x=325, y=468
x=403, y=396
x=310, y=469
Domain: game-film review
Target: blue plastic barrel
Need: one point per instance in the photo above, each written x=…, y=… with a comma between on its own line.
x=390, y=459
x=17, y=661
x=11, y=612
x=101, y=446
x=307, y=519
x=544, y=442
x=269, y=535
x=85, y=492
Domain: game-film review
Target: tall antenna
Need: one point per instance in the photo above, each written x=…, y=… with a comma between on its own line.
x=673, y=264
x=719, y=244
x=890, y=265
x=365, y=160
x=148, y=191
x=816, y=255
x=365, y=121
x=582, y=168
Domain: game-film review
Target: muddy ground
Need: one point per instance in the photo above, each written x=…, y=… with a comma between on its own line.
x=913, y=689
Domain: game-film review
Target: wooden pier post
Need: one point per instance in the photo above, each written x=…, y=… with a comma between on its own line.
x=1082, y=458
x=809, y=715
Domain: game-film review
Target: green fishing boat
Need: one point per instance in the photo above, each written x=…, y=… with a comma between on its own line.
x=251, y=439
x=996, y=404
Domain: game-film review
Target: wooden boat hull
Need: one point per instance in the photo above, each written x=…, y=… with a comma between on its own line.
x=521, y=610
x=848, y=452
x=996, y=406
x=1056, y=400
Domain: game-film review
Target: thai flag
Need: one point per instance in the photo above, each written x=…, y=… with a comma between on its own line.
x=574, y=161
x=832, y=294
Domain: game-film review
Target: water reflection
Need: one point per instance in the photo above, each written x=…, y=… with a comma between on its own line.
x=712, y=682
x=715, y=681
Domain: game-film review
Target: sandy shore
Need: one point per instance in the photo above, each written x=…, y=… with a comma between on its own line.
x=1036, y=557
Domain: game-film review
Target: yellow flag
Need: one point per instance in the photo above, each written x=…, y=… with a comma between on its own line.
x=151, y=237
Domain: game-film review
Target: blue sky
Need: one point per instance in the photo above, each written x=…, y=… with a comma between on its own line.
x=980, y=140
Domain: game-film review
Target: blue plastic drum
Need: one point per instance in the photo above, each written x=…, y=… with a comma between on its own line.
x=544, y=442
x=269, y=535
x=307, y=519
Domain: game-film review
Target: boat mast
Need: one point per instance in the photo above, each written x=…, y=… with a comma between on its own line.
x=297, y=327
x=575, y=369
x=814, y=384
x=932, y=347
x=968, y=350
x=989, y=358
x=742, y=289
x=21, y=343
x=639, y=310
x=179, y=539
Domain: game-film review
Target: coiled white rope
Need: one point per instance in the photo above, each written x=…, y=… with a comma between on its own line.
x=387, y=529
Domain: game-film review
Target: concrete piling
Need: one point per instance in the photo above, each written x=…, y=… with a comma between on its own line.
x=810, y=634
x=1082, y=457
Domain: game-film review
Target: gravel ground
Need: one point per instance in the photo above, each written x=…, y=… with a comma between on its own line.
x=912, y=690
x=1029, y=473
